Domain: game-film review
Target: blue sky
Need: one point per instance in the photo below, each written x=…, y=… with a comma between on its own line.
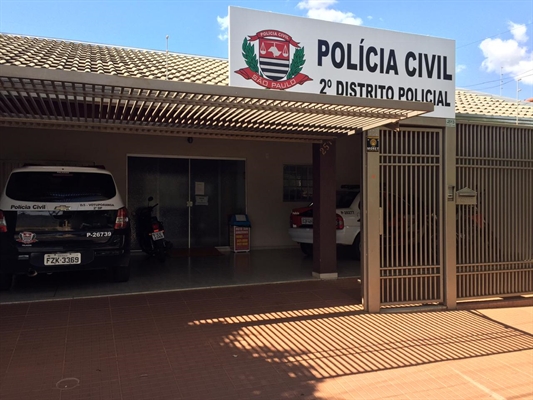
x=492, y=37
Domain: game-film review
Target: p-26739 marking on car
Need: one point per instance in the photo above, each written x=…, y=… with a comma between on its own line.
x=98, y=234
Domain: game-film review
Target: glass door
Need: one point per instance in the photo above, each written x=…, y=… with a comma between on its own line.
x=195, y=196
x=217, y=191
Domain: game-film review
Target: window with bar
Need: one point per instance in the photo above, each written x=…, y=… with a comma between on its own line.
x=297, y=183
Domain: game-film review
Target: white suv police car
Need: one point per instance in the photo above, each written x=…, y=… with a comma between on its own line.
x=57, y=218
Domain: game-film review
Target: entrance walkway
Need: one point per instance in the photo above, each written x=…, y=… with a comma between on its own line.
x=299, y=340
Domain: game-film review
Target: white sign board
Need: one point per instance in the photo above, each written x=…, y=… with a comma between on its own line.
x=202, y=200
x=282, y=52
x=199, y=188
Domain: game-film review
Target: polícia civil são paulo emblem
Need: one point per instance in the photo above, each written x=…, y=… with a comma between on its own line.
x=274, y=69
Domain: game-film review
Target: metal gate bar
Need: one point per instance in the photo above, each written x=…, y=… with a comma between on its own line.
x=495, y=236
x=411, y=176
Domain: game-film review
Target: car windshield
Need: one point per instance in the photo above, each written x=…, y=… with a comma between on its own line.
x=345, y=198
x=45, y=186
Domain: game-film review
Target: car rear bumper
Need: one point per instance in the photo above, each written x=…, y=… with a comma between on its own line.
x=344, y=236
x=21, y=260
x=22, y=264
x=301, y=235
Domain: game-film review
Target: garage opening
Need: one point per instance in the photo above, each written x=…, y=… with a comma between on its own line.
x=196, y=196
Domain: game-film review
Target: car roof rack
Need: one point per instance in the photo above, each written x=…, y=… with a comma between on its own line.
x=63, y=165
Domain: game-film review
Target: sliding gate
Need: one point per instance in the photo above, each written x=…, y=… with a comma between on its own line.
x=411, y=175
x=495, y=232
x=492, y=192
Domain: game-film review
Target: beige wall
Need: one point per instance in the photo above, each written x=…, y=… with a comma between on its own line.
x=264, y=165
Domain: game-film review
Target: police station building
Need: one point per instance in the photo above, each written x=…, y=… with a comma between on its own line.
x=301, y=108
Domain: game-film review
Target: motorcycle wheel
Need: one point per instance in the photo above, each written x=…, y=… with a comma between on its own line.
x=148, y=247
x=161, y=255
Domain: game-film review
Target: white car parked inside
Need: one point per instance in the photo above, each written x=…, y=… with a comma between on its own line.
x=348, y=221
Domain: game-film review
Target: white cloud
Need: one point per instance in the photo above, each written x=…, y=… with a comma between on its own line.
x=308, y=4
x=223, y=23
x=321, y=9
x=459, y=68
x=511, y=57
x=518, y=31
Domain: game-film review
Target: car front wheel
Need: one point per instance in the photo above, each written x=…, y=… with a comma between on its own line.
x=307, y=249
x=356, y=248
x=6, y=280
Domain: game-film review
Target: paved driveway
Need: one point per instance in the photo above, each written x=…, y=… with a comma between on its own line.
x=300, y=340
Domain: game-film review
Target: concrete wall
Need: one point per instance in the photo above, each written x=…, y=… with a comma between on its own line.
x=264, y=165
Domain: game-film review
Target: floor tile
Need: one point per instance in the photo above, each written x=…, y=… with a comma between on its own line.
x=46, y=320
x=252, y=374
x=37, y=356
x=150, y=387
x=5, y=359
x=89, y=303
x=49, y=307
x=28, y=394
x=32, y=377
x=10, y=310
x=137, y=328
x=11, y=323
x=204, y=383
x=42, y=337
x=108, y=390
x=120, y=314
x=143, y=363
x=174, y=324
x=92, y=371
x=128, y=300
x=80, y=334
x=165, y=297
x=89, y=316
x=187, y=357
x=88, y=342
x=169, y=309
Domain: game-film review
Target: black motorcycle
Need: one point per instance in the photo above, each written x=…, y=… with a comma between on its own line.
x=151, y=233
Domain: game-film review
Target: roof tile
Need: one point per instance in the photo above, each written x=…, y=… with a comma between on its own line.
x=67, y=55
